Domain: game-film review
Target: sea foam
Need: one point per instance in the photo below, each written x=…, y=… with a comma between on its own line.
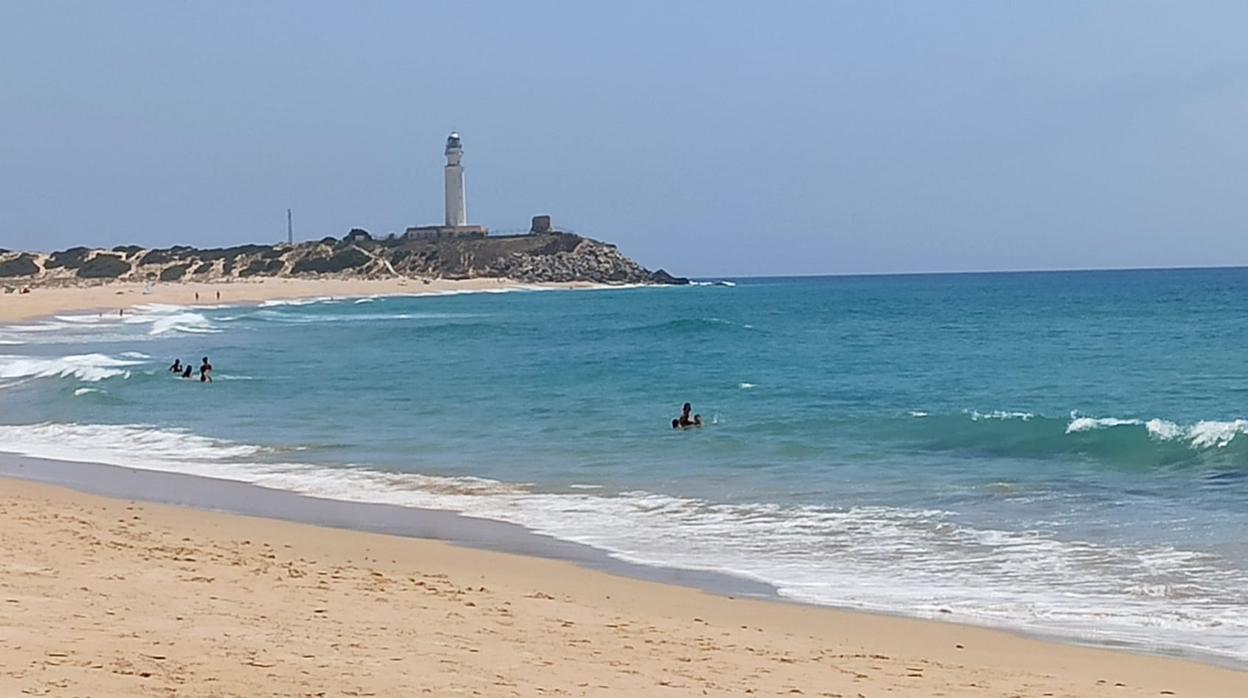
x=924, y=561
x=84, y=367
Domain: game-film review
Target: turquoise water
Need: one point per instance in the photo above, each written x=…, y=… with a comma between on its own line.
x=1063, y=452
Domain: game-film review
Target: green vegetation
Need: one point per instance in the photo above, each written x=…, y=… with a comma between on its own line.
x=175, y=272
x=70, y=259
x=22, y=265
x=263, y=267
x=104, y=266
x=340, y=261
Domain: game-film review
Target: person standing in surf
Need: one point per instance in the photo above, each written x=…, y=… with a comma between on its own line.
x=205, y=371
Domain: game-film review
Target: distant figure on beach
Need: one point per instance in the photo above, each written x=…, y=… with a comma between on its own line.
x=197, y=296
x=218, y=295
x=186, y=371
x=205, y=371
x=176, y=368
x=121, y=311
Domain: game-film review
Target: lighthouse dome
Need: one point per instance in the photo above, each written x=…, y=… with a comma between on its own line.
x=452, y=141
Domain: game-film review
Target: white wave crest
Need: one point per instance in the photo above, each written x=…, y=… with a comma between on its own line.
x=1216, y=434
x=834, y=555
x=746, y=386
x=144, y=322
x=134, y=445
x=186, y=322
x=86, y=391
x=84, y=367
x=1162, y=430
x=295, y=301
x=1000, y=414
x=1079, y=424
x=1203, y=434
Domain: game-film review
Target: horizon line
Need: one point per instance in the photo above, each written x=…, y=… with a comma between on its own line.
x=971, y=272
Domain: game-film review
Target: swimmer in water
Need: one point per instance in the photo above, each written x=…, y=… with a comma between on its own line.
x=205, y=371
x=186, y=371
x=685, y=419
x=176, y=368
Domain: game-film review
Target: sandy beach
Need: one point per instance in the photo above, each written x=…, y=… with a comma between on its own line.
x=111, y=297
x=110, y=597
x=106, y=597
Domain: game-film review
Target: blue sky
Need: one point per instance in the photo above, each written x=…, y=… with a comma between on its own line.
x=712, y=138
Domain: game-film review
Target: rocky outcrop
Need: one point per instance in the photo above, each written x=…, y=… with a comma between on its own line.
x=545, y=257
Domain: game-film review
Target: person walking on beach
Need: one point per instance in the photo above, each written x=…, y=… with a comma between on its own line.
x=205, y=371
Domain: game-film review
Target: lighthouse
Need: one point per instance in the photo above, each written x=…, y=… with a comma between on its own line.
x=456, y=209
x=456, y=222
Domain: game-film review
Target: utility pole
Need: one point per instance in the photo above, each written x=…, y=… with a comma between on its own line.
x=290, y=229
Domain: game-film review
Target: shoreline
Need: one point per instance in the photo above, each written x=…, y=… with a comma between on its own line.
x=293, y=605
x=194, y=499
x=237, y=498
x=44, y=301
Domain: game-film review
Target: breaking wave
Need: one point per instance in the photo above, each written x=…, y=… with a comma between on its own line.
x=144, y=322
x=1125, y=441
x=922, y=561
x=84, y=367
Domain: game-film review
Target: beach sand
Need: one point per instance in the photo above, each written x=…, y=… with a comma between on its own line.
x=110, y=297
x=104, y=597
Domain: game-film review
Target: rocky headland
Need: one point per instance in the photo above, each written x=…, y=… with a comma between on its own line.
x=536, y=258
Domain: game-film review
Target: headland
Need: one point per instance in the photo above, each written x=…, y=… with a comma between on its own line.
x=37, y=284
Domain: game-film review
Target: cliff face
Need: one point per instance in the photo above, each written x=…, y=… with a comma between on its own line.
x=534, y=258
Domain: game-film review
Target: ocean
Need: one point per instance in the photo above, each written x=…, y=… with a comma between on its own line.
x=1063, y=453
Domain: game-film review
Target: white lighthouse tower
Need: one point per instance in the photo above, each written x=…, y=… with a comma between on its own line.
x=456, y=224
x=456, y=208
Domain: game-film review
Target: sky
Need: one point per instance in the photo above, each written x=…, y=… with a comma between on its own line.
x=707, y=138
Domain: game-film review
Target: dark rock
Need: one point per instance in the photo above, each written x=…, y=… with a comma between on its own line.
x=662, y=277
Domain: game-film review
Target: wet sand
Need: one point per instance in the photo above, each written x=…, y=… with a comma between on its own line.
x=112, y=597
x=112, y=297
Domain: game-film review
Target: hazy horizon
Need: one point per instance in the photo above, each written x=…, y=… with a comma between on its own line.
x=725, y=140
